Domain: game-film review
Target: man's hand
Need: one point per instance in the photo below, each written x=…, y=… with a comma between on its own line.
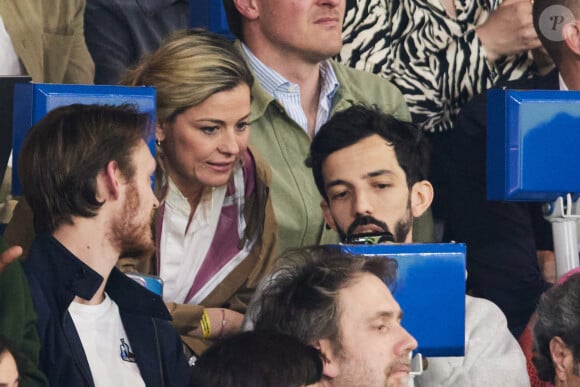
x=508, y=30
x=9, y=255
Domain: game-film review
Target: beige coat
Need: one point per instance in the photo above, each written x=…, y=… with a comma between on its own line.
x=48, y=37
x=237, y=288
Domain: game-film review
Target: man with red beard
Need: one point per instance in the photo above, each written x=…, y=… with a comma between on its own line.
x=370, y=169
x=86, y=173
x=340, y=304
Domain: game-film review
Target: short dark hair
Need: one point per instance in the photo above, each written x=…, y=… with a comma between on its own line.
x=258, y=359
x=234, y=19
x=554, y=47
x=557, y=314
x=300, y=298
x=358, y=122
x=63, y=153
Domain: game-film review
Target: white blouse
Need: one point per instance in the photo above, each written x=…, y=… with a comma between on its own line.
x=182, y=250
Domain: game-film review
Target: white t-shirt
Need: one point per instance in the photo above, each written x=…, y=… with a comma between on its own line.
x=105, y=344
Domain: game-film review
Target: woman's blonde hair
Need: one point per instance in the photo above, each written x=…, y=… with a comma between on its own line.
x=189, y=67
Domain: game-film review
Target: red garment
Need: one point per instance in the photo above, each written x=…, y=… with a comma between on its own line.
x=526, y=342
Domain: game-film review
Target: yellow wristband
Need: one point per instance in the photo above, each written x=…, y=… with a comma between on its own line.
x=205, y=325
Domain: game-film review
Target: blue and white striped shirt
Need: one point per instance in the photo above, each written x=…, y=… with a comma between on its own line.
x=288, y=93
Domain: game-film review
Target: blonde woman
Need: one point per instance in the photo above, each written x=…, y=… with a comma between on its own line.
x=215, y=228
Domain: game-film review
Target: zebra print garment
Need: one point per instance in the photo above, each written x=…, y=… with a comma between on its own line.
x=437, y=62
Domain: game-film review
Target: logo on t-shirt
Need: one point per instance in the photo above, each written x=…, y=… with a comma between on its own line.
x=126, y=353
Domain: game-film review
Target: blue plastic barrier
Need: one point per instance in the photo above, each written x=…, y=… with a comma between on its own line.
x=532, y=144
x=532, y=154
x=430, y=289
x=33, y=100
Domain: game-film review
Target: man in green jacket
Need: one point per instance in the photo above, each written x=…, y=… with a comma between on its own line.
x=289, y=46
x=17, y=316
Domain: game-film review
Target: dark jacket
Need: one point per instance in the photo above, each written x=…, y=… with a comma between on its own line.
x=55, y=277
x=133, y=28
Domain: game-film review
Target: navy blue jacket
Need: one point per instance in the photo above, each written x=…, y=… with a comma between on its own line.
x=55, y=277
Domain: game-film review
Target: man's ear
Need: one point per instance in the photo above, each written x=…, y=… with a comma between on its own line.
x=328, y=218
x=421, y=197
x=571, y=36
x=330, y=367
x=562, y=357
x=109, y=180
x=247, y=8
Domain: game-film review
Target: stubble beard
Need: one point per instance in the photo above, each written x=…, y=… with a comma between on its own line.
x=133, y=238
x=358, y=374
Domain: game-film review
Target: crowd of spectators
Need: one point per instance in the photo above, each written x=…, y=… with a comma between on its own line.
x=325, y=119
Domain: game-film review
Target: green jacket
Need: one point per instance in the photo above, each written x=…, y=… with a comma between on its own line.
x=17, y=322
x=285, y=145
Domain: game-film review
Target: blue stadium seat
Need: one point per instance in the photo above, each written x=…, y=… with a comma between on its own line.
x=209, y=14
x=33, y=100
x=430, y=289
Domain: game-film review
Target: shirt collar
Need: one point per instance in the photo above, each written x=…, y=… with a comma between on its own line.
x=269, y=79
x=68, y=277
x=180, y=203
x=329, y=81
x=272, y=81
x=328, y=89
